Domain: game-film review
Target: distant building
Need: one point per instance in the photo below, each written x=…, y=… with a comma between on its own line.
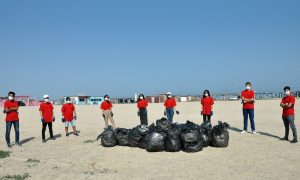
x=85, y=100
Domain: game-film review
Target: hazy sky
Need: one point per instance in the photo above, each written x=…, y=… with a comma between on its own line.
x=62, y=47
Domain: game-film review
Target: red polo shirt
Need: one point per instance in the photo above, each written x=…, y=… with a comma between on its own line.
x=170, y=103
x=142, y=104
x=248, y=94
x=68, y=111
x=288, y=111
x=106, y=105
x=11, y=116
x=207, y=103
x=47, y=111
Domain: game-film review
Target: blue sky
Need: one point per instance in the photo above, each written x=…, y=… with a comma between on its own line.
x=62, y=47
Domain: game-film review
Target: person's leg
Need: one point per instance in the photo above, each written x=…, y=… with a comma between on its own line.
x=286, y=126
x=106, y=114
x=204, y=117
x=245, y=114
x=291, y=120
x=73, y=124
x=17, y=132
x=171, y=115
x=44, y=130
x=7, y=133
x=143, y=117
x=50, y=129
x=251, y=115
x=112, y=121
x=209, y=118
x=66, y=123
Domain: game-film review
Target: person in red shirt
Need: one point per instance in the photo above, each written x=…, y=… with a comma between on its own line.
x=207, y=103
x=288, y=114
x=106, y=107
x=69, y=116
x=47, y=117
x=170, y=107
x=11, y=108
x=248, y=99
x=142, y=109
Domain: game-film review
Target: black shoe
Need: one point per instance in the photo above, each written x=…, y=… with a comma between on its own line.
x=76, y=134
x=284, y=139
x=67, y=134
x=44, y=141
x=294, y=141
x=53, y=138
x=9, y=146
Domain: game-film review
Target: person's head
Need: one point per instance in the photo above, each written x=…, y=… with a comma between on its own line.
x=11, y=95
x=248, y=85
x=141, y=97
x=106, y=98
x=287, y=90
x=169, y=95
x=68, y=100
x=46, y=98
x=206, y=93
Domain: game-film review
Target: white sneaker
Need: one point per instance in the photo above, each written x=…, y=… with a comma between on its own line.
x=254, y=132
x=243, y=132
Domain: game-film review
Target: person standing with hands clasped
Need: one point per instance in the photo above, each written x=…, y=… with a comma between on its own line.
x=107, y=113
x=288, y=114
x=11, y=108
x=248, y=100
x=207, y=103
x=69, y=116
x=170, y=107
x=142, y=109
x=47, y=117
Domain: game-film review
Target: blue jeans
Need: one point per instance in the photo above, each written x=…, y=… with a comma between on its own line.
x=170, y=114
x=248, y=113
x=8, y=128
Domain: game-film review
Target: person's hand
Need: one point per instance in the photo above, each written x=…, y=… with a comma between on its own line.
x=165, y=113
x=111, y=114
x=201, y=113
x=63, y=120
x=53, y=119
x=211, y=113
x=103, y=116
x=75, y=117
x=177, y=112
x=138, y=113
x=4, y=111
x=43, y=120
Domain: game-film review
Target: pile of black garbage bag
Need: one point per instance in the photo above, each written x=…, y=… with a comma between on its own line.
x=188, y=137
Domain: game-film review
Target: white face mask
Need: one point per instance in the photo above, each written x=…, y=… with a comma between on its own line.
x=106, y=99
x=46, y=100
x=10, y=98
x=68, y=102
x=206, y=94
x=248, y=87
x=169, y=96
x=141, y=97
x=287, y=93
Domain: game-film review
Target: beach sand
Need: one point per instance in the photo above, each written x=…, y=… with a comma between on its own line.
x=248, y=156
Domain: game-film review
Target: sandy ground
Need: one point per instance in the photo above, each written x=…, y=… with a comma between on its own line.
x=248, y=156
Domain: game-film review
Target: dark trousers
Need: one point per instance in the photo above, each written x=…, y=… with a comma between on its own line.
x=170, y=114
x=289, y=121
x=8, y=128
x=206, y=118
x=144, y=117
x=44, y=129
x=248, y=113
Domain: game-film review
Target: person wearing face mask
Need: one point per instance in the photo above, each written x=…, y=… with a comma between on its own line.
x=248, y=99
x=107, y=113
x=11, y=108
x=69, y=116
x=142, y=109
x=207, y=103
x=47, y=117
x=288, y=114
x=170, y=107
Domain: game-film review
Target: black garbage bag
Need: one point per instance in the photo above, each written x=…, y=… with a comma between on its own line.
x=122, y=136
x=162, y=123
x=134, y=137
x=143, y=130
x=190, y=136
x=191, y=125
x=220, y=135
x=143, y=143
x=155, y=142
x=172, y=140
x=179, y=126
x=108, y=137
x=192, y=147
x=205, y=138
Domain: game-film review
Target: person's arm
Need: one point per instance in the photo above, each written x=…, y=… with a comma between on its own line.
x=11, y=109
x=75, y=113
x=41, y=114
